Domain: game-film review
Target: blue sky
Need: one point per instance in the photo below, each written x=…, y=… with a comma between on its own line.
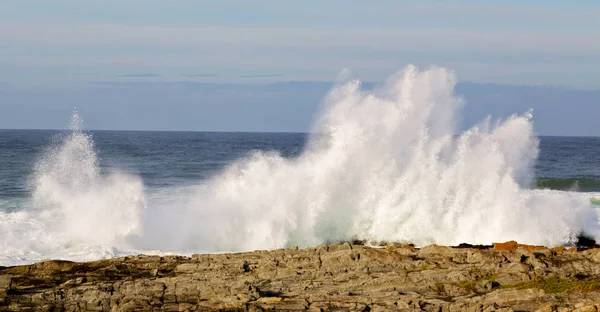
x=537, y=42
x=207, y=64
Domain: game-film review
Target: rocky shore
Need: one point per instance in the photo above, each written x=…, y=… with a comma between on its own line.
x=342, y=277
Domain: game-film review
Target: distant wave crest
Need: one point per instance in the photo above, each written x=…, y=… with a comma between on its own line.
x=569, y=184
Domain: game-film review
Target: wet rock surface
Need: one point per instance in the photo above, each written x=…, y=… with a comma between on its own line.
x=343, y=277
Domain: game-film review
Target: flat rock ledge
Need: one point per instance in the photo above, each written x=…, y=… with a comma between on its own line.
x=339, y=277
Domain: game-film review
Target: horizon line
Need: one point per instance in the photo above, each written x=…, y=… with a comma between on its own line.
x=240, y=131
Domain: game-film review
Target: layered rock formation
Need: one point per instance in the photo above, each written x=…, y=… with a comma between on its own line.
x=344, y=277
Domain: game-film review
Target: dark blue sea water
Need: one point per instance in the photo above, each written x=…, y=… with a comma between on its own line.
x=167, y=159
x=569, y=163
x=162, y=159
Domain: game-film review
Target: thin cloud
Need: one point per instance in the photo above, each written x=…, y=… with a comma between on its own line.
x=496, y=41
x=222, y=37
x=200, y=75
x=262, y=76
x=138, y=75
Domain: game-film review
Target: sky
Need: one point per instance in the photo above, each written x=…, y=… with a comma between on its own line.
x=518, y=42
x=62, y=49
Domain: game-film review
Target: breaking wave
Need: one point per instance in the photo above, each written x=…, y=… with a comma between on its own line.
x=385, y=165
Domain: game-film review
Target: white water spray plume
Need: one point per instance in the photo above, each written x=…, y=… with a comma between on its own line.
x=383, y=165
x=75, y=212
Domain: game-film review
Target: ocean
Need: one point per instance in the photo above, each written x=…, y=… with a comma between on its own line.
x=386, y=165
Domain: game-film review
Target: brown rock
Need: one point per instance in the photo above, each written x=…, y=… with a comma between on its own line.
x=345, y=277
x=512, y=245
